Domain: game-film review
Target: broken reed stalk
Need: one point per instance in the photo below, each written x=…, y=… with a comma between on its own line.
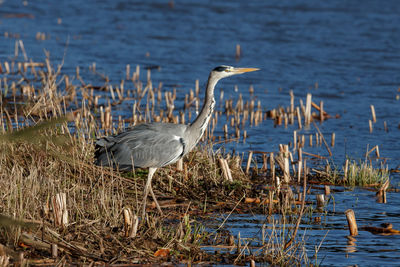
x=291, y=101
x=320, y=200
x=226, y=172
x=327, y=190
x=286, y=171
x=377, y=151
x=7, y=67
x=351, y=221
x=346, y=170
x=131, y=223
x=249, y=162
x=373, y=114
x=307, y=113
x=272, y=165
x=60, y=211
x=305, y=169
x=265, y=163
x=381, y=194
x=238, y=245
x=54, y=250
x=321, y=111
x=300, y=163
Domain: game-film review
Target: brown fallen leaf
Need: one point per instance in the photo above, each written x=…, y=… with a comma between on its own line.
x=163, y=253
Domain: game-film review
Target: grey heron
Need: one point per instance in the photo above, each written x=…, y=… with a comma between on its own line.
x=155, y=145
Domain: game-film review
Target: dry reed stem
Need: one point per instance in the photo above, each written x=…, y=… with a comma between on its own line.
x=60, y=209
x=373, y=114
x=225, y=170
x=327, y=190
x=351, y=220
x=307, y=112
x=320, y=200
x=249, y=162
x=381, y=194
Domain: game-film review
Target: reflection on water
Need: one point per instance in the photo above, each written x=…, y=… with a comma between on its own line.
x=351, y=244
x=331, y=233
x=346, y=53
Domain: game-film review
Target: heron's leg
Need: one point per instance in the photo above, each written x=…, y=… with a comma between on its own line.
x=155, y=200
x=146, y=190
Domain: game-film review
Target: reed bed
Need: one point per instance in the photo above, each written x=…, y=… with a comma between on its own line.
x=59, y=208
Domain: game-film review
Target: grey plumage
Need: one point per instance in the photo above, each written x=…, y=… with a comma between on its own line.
x=155, y=145
x=145, y=145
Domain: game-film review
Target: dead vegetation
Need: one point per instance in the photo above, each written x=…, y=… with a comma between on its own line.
x=60, y=208
x=88, y=225
x=57, y=207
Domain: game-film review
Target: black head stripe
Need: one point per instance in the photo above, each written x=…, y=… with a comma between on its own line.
x=220, y=68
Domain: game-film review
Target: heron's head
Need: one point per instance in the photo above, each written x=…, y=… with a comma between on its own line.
x=226, y=71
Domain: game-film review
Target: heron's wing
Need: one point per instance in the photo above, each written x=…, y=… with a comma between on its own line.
x=146, y=145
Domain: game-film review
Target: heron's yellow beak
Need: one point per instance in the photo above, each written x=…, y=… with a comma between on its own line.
x=243, y=70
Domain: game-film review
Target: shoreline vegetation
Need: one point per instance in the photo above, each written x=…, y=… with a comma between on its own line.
x=57, y=207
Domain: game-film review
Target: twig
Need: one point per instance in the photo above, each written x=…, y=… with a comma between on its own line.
x=229, y=214
x=323, y=139
x=314, y=155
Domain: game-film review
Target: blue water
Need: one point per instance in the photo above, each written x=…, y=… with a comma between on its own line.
x=349, y=48
x=331, y=233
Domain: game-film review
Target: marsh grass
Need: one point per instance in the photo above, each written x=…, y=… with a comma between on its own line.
x=355, y=173
x=47, y=148
x=365, y=174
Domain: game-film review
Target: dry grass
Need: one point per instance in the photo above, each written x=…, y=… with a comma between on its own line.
x=32, y=174
x=55, y=157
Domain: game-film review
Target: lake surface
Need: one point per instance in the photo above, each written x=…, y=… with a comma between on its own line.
x=346, y=53
x=330, y=235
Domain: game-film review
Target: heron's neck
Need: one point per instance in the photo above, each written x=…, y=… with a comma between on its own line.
x=197, y=128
